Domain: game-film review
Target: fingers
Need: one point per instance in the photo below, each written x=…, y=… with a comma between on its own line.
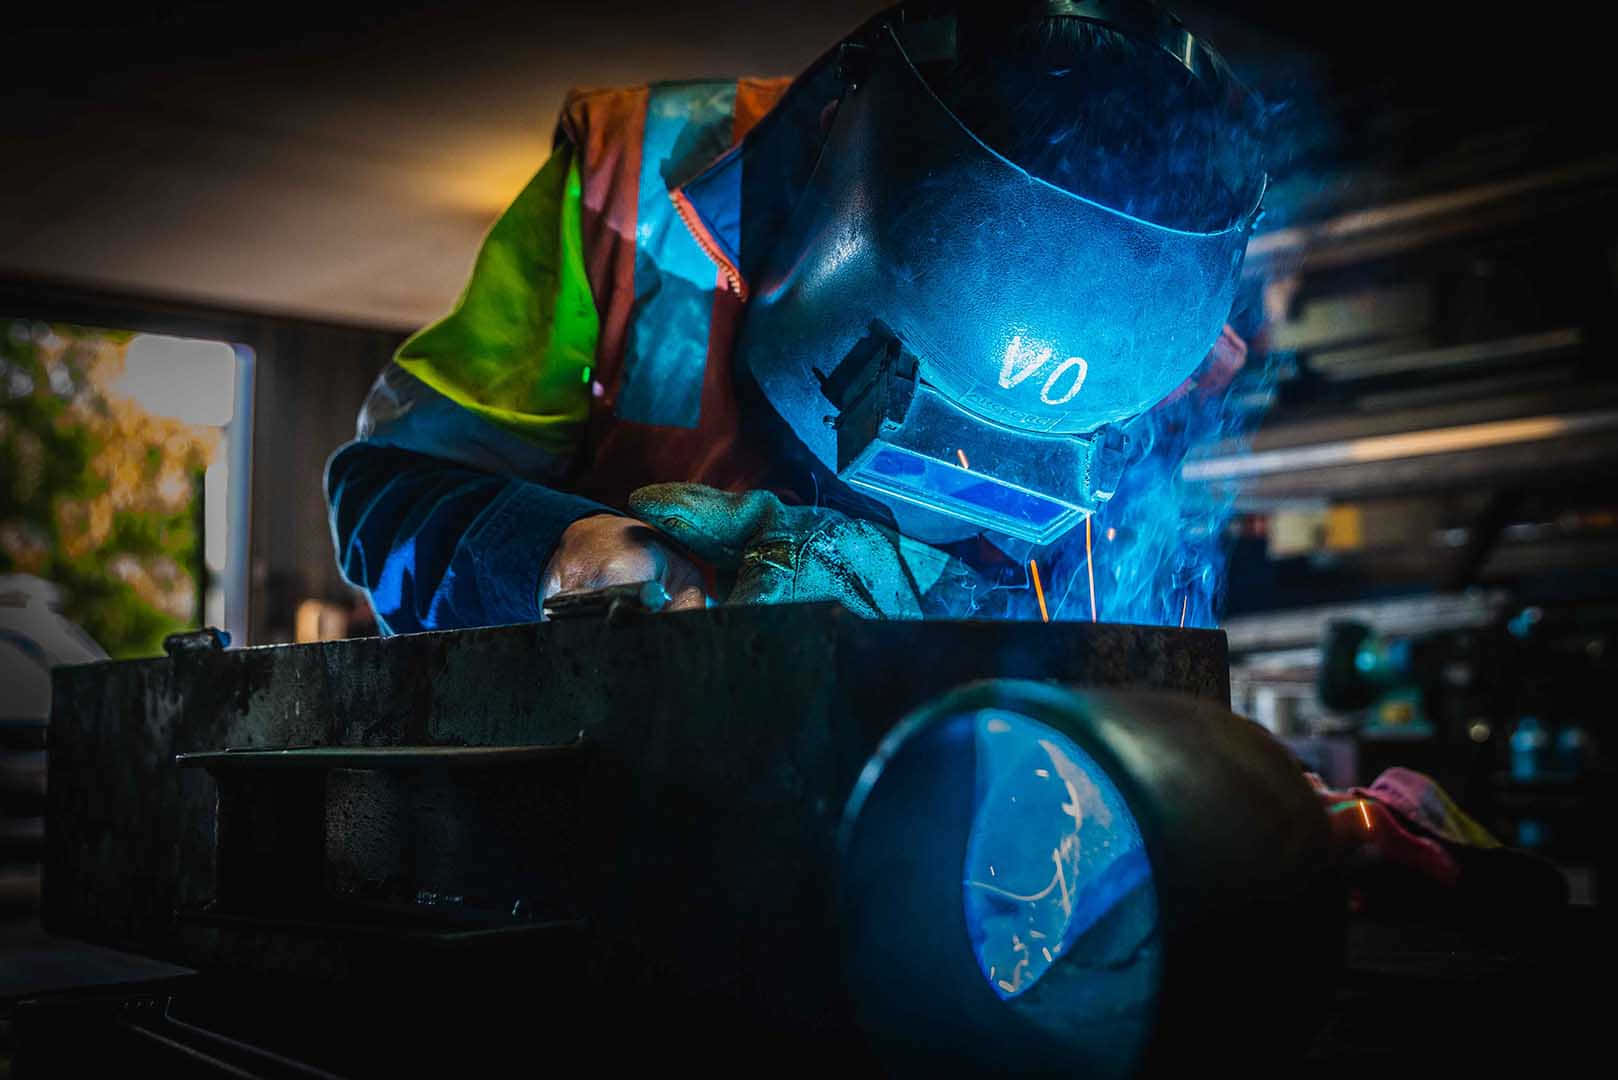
x=646, y=557
x=602, y=551
x=680, y=577
x=688, y=599
x=621, y=556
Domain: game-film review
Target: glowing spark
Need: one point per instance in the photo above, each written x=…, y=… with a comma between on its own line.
x=1043, y=774
x=1047, y=952
x=1089, y=568
x=1365, y=814
x=1112, y=534
x=1183, y=605
x=962, y=455
x=1039, y=590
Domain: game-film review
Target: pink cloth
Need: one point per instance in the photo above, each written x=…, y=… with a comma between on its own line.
x=1403, y=819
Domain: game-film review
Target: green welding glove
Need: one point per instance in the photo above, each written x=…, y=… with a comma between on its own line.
x=771, y=553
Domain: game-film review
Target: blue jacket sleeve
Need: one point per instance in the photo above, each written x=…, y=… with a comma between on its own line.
x=440, y=545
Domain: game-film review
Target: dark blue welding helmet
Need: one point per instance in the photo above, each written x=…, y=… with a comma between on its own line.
x=959, y=339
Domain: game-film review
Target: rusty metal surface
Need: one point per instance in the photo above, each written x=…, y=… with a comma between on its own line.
x=369, y=758
x=722, y=745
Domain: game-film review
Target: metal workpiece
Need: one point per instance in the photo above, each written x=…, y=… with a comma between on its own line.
x=625, y=804
x=1188, y=835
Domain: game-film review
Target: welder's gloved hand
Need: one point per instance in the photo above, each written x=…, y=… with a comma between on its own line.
x=774, y=553
x=606, y=549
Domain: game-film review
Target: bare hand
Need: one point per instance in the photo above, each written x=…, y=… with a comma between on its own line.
x=605, y=549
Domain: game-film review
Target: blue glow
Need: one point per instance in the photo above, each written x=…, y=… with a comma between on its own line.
x=952, y=489
x=1053, y=851
x=1159, y=547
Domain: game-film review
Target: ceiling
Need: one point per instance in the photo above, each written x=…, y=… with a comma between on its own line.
x=330, y=164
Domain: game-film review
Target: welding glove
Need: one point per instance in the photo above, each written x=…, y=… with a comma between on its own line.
x=771, y=553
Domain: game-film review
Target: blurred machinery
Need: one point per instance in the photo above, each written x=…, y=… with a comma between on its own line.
x=1425, y=566
x=1502, y=704
x=34, y=638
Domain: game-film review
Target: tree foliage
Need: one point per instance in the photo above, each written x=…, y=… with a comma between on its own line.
x=96, y=494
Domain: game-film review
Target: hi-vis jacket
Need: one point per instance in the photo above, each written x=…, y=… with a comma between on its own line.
x=590, y=354
x=591, y=349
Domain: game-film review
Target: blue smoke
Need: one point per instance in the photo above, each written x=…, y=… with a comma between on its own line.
x=1159, y=548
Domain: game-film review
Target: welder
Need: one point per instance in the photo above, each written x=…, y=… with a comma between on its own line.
x=870, y=335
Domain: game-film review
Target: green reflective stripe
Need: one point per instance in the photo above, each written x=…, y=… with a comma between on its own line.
x=514, y=348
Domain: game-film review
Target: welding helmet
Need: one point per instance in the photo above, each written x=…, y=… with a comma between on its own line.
x=958, y=339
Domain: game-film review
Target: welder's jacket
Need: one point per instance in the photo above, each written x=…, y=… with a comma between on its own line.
x=589, y=355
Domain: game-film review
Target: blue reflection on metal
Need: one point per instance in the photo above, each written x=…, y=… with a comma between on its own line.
x=1053, y=850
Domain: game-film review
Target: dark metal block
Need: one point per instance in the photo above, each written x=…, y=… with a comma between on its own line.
x=696, y=832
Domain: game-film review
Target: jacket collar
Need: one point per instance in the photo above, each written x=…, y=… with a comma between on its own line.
x=739, y=203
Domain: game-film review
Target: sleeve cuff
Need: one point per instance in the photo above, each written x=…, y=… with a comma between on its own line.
x=513, y=543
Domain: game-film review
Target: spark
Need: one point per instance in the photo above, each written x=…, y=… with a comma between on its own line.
x=1047, y=952
x=962, y=455
x=1183, y=605
x=1366, y=815
x=1089, y=568
x=1039, y=590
